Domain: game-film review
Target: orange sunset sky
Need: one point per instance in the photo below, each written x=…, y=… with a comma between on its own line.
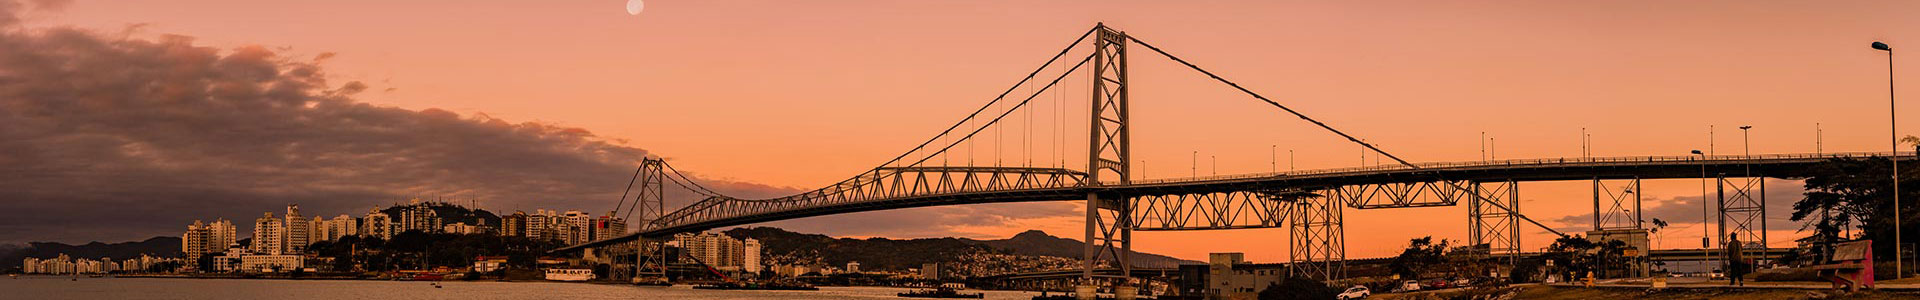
x=805, y=93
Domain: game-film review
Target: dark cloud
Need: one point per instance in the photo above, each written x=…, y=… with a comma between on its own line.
x=106, y=137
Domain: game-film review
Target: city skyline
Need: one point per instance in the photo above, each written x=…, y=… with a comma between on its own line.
x=1641, y=81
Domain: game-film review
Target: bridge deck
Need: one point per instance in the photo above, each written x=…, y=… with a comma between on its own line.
x=1556, y=169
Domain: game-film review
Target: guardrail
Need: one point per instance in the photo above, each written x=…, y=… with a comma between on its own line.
x=1574, y=161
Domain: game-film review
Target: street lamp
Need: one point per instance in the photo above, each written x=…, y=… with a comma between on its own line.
x=1893, y=124
x=1706, y=242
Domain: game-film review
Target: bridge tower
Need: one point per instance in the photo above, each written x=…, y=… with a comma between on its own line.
x=650, y=254
x=1109, y=223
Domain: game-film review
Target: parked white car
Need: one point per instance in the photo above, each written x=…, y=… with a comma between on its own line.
x=1409, y=286
x=1355, y=292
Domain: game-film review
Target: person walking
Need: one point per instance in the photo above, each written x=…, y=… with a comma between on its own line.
x=1736, y=265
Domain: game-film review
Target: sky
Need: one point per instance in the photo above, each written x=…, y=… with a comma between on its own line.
x=164, y=112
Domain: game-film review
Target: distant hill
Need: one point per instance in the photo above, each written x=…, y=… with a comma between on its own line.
x=1035, y=242
x=160, y=246
x=785, y=247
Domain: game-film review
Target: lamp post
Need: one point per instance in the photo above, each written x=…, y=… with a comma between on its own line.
x=1706, y=242
x=1893, y=124
x=1193, y=164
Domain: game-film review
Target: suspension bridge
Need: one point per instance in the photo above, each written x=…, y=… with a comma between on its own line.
x=945, y=170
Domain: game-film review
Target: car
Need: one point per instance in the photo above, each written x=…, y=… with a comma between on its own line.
x=1438, y=284
x=1355, y=292
x=1409, y=286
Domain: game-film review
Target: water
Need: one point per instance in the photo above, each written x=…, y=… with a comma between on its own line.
x=54, y=287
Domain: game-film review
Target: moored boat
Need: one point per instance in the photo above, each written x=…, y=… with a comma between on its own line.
x=557, y=274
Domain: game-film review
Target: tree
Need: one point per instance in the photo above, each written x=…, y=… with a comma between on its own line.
x=1850, y=192
x=1421, y=254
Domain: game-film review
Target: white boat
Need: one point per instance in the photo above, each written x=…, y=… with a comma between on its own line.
x=570, y=274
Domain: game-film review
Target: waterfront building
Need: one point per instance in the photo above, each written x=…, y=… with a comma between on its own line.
x=930, y=271
x=378, y=224
x=268, y=235
x=853, y=267
x=195, y=242
x=296, y=234
x=271, y=263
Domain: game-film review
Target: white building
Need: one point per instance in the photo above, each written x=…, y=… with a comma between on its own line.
x=268, y=235
x=719, y=251
x=296, y=235
x=343, y=226
x=751, y=260
x=575, y=227
x=542, y=225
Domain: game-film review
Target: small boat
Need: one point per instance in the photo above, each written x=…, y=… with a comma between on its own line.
x=942, y=292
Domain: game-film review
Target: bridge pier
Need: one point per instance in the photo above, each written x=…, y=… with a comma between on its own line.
x=1488, y=224
x=1317, y=237
x=1743, y=212
x=1108, y=154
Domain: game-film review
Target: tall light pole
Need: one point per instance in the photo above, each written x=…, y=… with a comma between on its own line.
x=1290, y=164
x=1193, y=165
x=1273, y=158
x=1893, y=126
x=1706, y=242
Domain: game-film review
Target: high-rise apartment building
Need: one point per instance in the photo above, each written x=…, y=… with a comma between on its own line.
x=378, y=224
x=343, y=226
x=196, y=241
x=607, y=226
x=416, y=216
x=268, y=235
x=296, y=232
x=541, y=225
x=514, y=225
x=720, y=251
x=750, y=260
x=575, y=227
x=320, y=231
x=221, y=235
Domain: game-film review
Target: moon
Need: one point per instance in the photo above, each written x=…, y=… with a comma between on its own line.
x=635, y=6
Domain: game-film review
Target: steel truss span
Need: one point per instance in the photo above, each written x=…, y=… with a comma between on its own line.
x=1310, y=203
